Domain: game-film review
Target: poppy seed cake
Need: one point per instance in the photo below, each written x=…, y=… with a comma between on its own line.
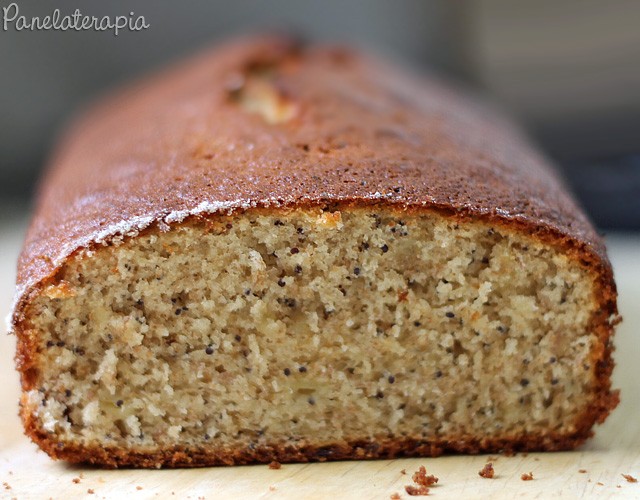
x=278, y=252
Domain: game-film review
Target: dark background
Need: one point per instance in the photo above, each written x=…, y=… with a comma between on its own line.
x=568, y=69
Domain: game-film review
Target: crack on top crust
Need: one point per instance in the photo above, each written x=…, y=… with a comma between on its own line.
x=258, y=87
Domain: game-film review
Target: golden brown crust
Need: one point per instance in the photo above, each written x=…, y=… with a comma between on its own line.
x=361, y=134
x=363, y=131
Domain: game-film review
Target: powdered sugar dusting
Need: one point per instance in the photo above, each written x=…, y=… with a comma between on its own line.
x=129, y=227
x=208, y=207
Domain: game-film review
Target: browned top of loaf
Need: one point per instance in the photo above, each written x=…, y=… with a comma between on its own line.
x=361, y=131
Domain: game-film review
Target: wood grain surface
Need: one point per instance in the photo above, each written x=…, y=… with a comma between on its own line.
x=26, y=472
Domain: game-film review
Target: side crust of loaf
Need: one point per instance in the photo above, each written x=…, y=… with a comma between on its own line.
x=601, y=400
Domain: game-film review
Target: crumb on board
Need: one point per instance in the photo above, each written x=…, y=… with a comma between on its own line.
x=272, y=488
x=527, y=476
x=600, y=484
x=487, y=471
x=76, y=480
x=6, y=485
x=629, y=478
x=275, y=465
x=403, y=472
x=582, y=471
x=90, y=491
x=422, y=482
x=416, y=490
x=138, y=488
x=492, y=459
x=395, y=496
x=421, y=478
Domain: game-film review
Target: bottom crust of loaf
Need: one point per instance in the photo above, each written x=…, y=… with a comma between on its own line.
x=317, y=334
x=384, y=448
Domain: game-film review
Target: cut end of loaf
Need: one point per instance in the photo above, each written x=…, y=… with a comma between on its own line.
x=314, y=334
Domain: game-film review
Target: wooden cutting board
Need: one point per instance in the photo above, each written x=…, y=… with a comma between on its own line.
x=594, y=470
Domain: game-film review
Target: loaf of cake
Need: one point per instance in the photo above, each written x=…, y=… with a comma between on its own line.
x=274, y=251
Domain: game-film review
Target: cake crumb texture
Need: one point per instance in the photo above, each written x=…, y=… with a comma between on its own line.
x=310, y=335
